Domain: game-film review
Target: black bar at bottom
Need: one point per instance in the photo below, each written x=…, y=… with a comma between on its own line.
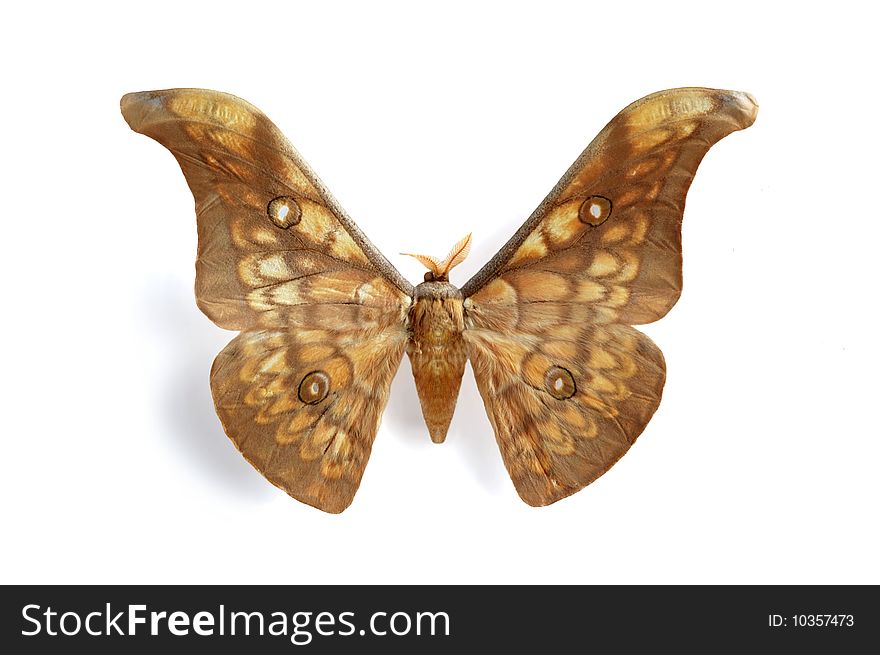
x=431, y=619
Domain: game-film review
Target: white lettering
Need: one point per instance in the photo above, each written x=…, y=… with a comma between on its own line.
x=77, y=623
x=247, y=621
x=178, y=623
x=49, y=614
x=134, y=619
x=24, y=614
x=344, y=621
x=373, y=624
x=113, y=624
x=154, y=621
x=408, y=623
x=89, y=616
x=324, y=618
x=298, y=625
x=281, y=622
x=203, y=624
x=433, y=616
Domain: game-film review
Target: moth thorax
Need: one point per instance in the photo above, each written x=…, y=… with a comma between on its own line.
x=437, y=290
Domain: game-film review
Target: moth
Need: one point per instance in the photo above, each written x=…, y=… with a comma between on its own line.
x=324, y=318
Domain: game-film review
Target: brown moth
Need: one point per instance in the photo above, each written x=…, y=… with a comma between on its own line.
x=324, y=318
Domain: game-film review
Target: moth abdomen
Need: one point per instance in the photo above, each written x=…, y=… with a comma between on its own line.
x=437, y=352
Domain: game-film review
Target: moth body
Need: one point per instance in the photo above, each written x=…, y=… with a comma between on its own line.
x=437, y=352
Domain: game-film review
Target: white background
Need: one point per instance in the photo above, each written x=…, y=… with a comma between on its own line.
x=761, y=463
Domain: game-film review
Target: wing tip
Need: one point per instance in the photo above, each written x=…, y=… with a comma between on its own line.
x=745, y=106
x=533, y=497
x=329, y=505
x=135, y=107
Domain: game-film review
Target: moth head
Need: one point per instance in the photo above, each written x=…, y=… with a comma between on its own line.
x=438, y=270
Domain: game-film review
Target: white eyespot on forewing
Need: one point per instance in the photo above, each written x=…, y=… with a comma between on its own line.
x=284, y=211
x=595, y=210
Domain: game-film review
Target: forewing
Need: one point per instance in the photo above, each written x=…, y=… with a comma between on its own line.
x=267, y=226
x=609, y=233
